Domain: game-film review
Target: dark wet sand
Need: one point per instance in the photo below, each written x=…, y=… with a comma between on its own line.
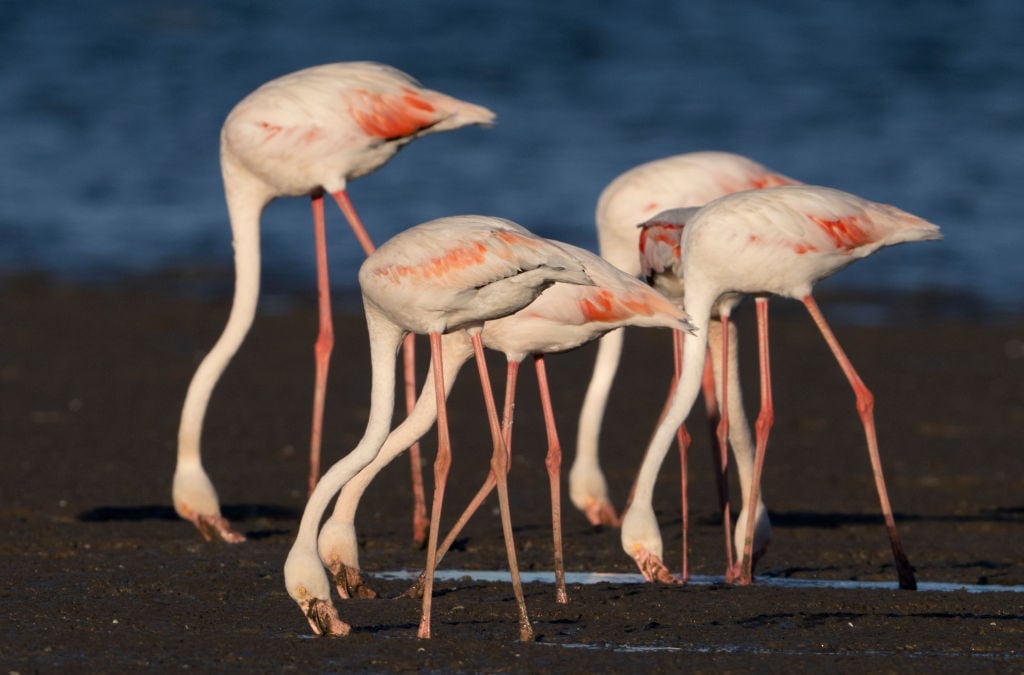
x=100, y=576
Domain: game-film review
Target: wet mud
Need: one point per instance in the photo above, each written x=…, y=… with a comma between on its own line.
x=101, y=576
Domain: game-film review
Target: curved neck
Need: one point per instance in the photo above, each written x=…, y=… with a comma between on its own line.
x=457, y=349
x=244, y=209
x=698, y=306
x=609, y=350
x=385, y=338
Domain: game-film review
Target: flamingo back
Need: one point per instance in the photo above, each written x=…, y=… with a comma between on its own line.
x=457, y=270
x=566, y=316
x=787, y=238
x=321, y=126
x=690, y=179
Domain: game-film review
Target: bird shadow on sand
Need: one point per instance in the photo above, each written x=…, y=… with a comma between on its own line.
x=236, y=513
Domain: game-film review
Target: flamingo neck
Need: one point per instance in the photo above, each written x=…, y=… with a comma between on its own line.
x=456, y=351
x=244, y=209
x=694, y=350
x=385, y=337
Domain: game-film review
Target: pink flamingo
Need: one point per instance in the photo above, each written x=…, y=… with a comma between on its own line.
x=778, y=241
x=305, y=133
x=447, y=275
x=564, y=317
x=690, y=179
x=659, y=251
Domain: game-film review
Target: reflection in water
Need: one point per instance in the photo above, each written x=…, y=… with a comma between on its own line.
x=698, y=580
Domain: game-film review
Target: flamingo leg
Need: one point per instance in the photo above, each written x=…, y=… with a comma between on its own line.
x=324, y=342
x=420, y=523
x=765, y=419
x=723, y=452
x=553, y=462
x=442, y=464
x=490, y=482
x=683, y=441
x=865, y=408
x=499, y=467
x=707, y=386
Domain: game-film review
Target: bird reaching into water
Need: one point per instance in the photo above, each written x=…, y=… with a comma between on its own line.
x=564, y=317
x=659, y=257
x=306, y=133
x=780, y=241
x=690, y=179
x=446, y=275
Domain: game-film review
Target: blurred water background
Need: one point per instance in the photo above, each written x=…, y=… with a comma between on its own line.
x=110, y=112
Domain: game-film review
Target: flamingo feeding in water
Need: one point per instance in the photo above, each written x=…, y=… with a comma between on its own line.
x=690, y=179
x=780, y=241
x=446, y=275
x=659, y=252
x=564, y=317
x=306, y=133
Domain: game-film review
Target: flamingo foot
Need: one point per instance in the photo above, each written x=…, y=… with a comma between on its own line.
x=414, y=592
x=735, y=575
x=212, y=527
x=653, y=569
x=323, y=617
x=349, y=582
x=601, y=513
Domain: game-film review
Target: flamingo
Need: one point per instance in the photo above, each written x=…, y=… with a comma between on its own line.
x=564, y=317
x=305, y=133
x=446, y=275
x=690, y=179
x=780, y=241
x=659, y=251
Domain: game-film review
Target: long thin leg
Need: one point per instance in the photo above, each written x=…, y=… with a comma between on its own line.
x=490, y=482
x=324, y=342
x=723, y=451
x=499, y=466
x=441, y=466
x=707, y=387
x=765, y=419
x=420, y=521
x=683, y=441
x=865, y=408
x=553, y=462
x=419, y=515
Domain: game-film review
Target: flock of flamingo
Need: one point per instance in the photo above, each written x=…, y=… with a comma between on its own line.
x=714, y=224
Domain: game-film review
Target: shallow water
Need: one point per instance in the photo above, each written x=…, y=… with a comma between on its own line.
x=548, y=577
x=111, y=113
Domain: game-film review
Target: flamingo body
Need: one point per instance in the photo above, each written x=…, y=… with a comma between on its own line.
x=317, y=128
x=445, y=275
x=563, y=317
x=775, y=241
x=305, y=133
x=686, y=180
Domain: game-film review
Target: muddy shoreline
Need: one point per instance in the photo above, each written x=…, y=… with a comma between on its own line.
x=102, y=576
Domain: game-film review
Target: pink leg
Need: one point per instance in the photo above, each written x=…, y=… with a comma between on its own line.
x=441, y=465
x=324, y=342
x=683, y=441
x=865, y=408
x=723, y=453
x=499, y=467
x=707, y=386
x=419, y=515
x=554, y=466
x=490, y=482
x=420, y=521
x=765, y=419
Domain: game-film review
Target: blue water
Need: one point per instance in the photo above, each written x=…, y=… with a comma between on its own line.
x=110, y=112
